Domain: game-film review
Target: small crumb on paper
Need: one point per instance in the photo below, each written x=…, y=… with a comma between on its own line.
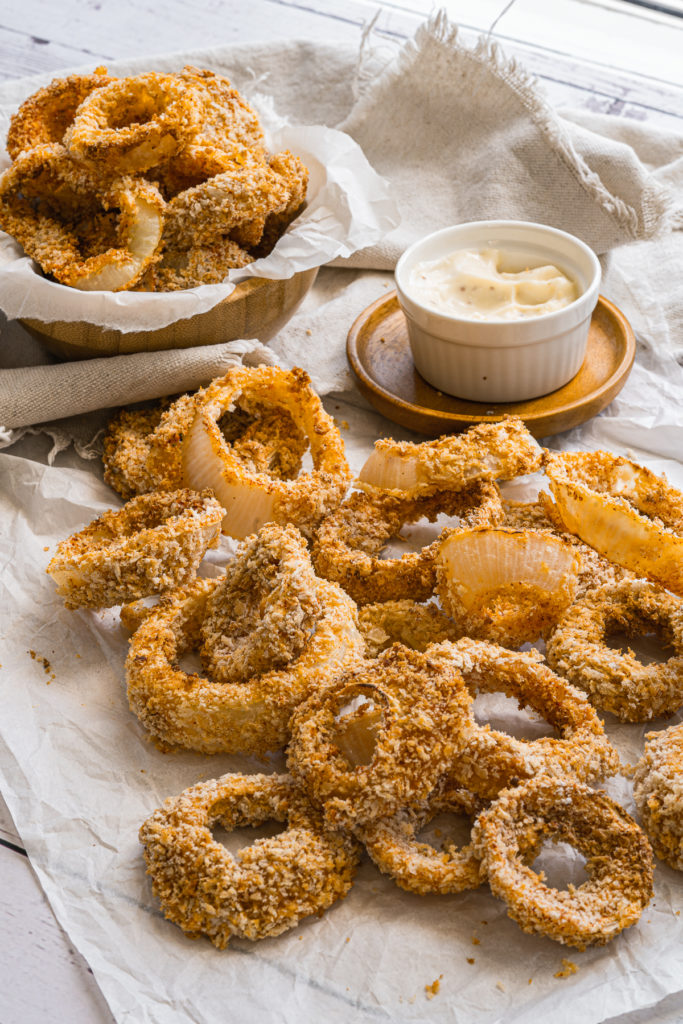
x=476, y=941
x=470, y=960
x=500, y=986
x=569, y=968
x=433, y=989
x=47, y=667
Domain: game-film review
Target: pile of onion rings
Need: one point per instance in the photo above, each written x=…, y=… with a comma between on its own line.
x=156, y=181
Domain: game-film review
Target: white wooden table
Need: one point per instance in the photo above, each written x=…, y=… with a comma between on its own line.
x=600, y=56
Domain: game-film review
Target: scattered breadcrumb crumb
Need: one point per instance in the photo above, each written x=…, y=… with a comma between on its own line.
x=347, y=939
x=470, y=960
x=47, y=667
x=46, y=548
x=476, y=941
x=433, y=989
x=500, y=985
x=530, y=980
x=569, y=968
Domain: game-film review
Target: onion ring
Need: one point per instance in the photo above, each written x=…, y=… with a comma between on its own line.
x=143, y=448
x=420, y=704
x=488, y=451
x=618, y=860
x=153, y=544
x=418, y=867
x=252, y=497
x=624, y=510
x=404, y=622
x=491, y=759
x=291, y=170
x=131, y=124
x=349, y=540
x=508, y=586
x=49, y=239
x=658, y=793
x=44, y=117
x=270, y=885
x=187, y=268
x=187, y=710
x=226, y=118
x=614, y=681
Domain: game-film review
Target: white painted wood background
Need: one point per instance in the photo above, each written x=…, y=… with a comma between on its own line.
x=605, y=56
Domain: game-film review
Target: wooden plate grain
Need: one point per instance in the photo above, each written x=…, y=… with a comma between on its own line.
x=379, y=353
x=257, y=308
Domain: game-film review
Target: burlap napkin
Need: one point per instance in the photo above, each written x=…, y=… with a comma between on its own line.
x=460, y=133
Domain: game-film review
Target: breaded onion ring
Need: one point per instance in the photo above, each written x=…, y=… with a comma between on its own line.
x=594, y=570
x=200, y=264
x=45, y=116
x=226, y=118
x=618, y=860
x=294, y=174
x=252, y=497
x=625, y=511
x=31, y=193
x=420, y=705
x=491, y=759
x=658, y=793
x=152, y=544
x=270, y=885
x=131, y=124
x=418, y=867
x=263, y=612
x=349, y=541
x=508, y=586
x=252, y=717
x=404, y=622
x=614, y=681
x=488, y=451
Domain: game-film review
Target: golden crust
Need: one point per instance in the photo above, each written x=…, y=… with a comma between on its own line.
x=44, y=117
x=271, y=884
x=658, y=793
x=623, y=510
x=507, y=586
x=226, y=119
x=153, y=544
x=491, y=759
x=200, y=713
x=618, y=860
x=200, y=264
x=616, y=681
x=405, y=622
x=421, y=704
x=349, y=541
x=417, y=867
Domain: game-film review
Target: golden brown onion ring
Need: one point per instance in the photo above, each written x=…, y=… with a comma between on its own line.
x=153, y=544
x=616, y=681
x=226, y=118
x=252, y=497
x=421, y=706
x=269, y=886
x=492, y=759
x=658, y=793
x=45, y=116
x=618, y=860
x=508, y=586
x=29, y=211
x=191, y=711
x=349, y=541
x=188, y=268
x=405, y=622
x=488, y=451
x=418, y=867
x=132, y=124
x=625, y=511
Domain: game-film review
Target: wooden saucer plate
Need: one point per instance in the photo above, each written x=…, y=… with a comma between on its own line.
x=379, y=353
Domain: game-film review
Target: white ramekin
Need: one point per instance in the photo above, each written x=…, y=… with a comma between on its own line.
x=501, y=360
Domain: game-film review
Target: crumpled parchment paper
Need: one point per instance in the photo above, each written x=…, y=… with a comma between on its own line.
x=79, y=777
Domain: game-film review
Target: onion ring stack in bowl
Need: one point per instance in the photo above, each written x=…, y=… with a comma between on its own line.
x=153, y=544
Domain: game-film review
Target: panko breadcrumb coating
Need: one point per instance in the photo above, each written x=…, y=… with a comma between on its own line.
x=153, y=544
x=616, y=681
x=658, y=793
x=270, y=885
x=405, y=622
x=349, y=542
x=44, y=117
x=618, y=860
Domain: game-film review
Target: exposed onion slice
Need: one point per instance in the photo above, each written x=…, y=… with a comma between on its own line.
x=253, y=498
x=508, y=586
x=623, y=510
x=490, y=451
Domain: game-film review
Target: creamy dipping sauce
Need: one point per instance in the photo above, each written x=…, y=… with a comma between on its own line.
x=490, y=285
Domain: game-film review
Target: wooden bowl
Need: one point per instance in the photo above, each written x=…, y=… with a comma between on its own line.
x=257, y=308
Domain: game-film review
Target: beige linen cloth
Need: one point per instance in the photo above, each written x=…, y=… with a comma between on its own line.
x=461, y=134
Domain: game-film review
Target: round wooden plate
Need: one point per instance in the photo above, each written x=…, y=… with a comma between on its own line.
x=257, y=308
x=379, y=353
